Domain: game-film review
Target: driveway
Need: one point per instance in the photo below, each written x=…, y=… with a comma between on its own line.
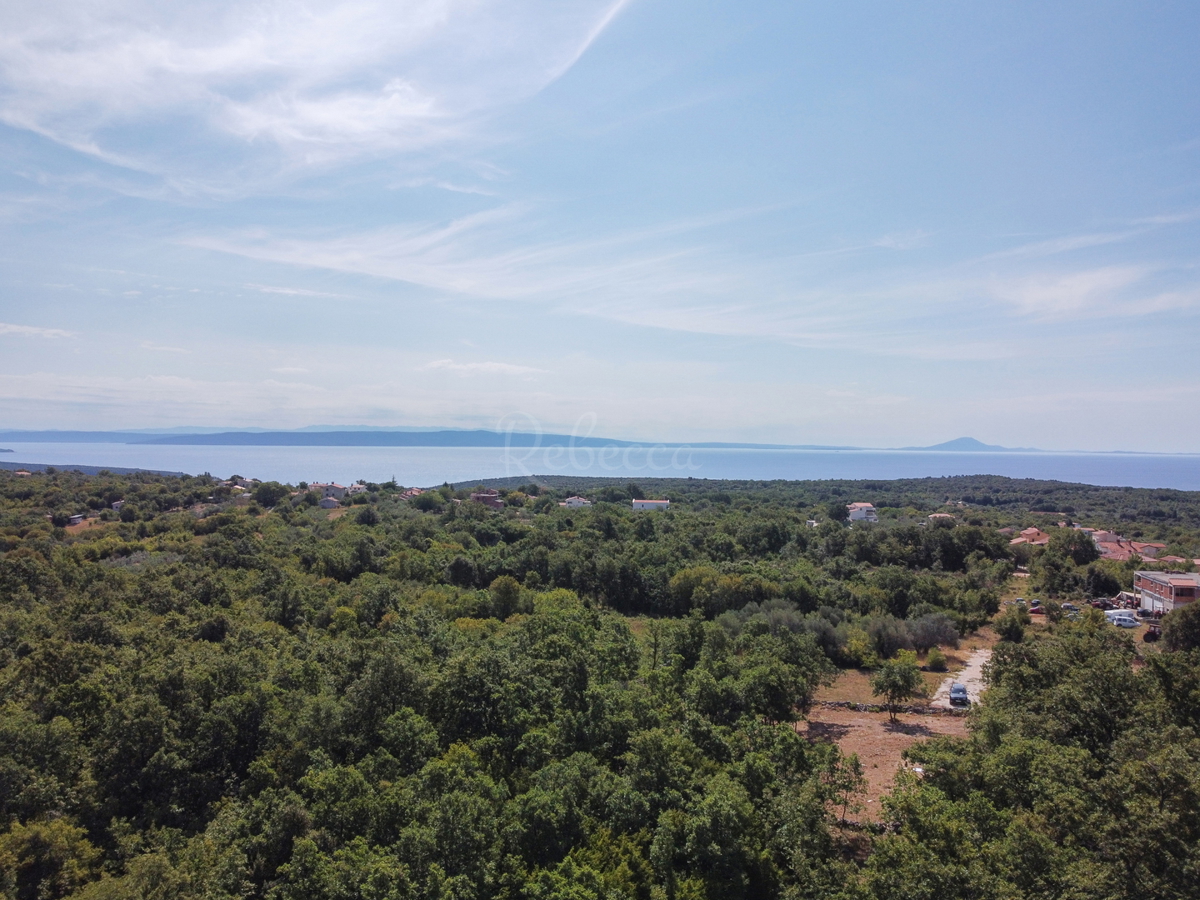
x=971, y=675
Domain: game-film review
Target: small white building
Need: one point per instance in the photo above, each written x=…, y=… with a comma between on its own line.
x=651, y=504
x=575, y=502
x=358, y=488
x=862, y=512
x=329, y=503
x=336, y=491
x=117, y=504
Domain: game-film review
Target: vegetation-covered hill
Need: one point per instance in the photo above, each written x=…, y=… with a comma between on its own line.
x=206, y=696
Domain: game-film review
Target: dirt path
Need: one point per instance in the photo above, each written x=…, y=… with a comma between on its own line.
x=971, y=675
x=878, y=743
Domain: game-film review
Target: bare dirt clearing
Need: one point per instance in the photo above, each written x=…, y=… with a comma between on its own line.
x=878, y=743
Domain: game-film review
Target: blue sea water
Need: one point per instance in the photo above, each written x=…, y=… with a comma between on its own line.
x=425, y=466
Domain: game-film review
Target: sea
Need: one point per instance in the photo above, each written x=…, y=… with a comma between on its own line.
x=426, y=466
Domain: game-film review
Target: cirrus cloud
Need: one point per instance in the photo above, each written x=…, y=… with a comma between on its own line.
x=195, y=92
x=33, y=331
x=480, y=368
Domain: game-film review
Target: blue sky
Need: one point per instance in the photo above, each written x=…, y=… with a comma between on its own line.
x=869, y=223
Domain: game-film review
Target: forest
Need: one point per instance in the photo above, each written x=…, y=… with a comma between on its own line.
x=222, y=693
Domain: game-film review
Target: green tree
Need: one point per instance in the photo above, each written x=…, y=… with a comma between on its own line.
x=269, y=493
x=1181, y=628
x=506, y=596
x=897, y=680
x=45, y=860
x=1011, y=625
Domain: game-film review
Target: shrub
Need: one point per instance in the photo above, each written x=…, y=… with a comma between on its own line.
x=932, y=630
x=1011, y=625
x=935, y=661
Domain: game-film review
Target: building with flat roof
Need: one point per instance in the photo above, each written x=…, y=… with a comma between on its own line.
x=575, y=503
x=862, y=512
x=651, y=504
x=1165, y=591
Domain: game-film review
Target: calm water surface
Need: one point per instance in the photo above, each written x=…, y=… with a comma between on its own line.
x=433, y=465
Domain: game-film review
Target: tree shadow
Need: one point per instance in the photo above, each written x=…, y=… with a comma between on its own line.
x=826, y=731
x=912, y=729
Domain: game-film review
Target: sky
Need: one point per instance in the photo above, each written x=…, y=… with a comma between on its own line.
x=860, y=223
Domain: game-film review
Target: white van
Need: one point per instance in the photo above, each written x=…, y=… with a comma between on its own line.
x=1125, y=621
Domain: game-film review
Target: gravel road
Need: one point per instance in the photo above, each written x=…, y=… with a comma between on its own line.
x=971, y=675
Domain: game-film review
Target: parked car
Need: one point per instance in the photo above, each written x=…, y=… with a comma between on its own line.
x=1102, y=603
x=958, y=695
x=1125, y=621
x=1070, y=607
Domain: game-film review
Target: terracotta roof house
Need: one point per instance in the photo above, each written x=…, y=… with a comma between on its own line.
x=1033, y=536
x=651, y=504
x=330, y=489
x=489, y=498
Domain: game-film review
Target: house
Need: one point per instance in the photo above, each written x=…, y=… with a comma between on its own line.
x=941, y=517
x=489, y=498
x=862, y=512
x=329, y=503
x=410, y=493
x=651, y=504
x=575, y=502
x=1033, y=536
x=358, y=488
x=323, y=490
x=811, y=523
x=1115, y=547
x=76, y=519
x=22, y=473
x=1165, y=591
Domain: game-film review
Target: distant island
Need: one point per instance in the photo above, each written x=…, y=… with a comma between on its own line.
x=323, y=436
x=3, y=450
x=970, y=445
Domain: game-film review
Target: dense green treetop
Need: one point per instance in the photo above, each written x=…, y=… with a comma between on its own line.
x=213, y=696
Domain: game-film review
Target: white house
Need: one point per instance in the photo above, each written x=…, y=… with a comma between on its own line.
x=862, y=512
x=358, y=488
x=651, y=504
x=336, y=491
x=329, y=503
x=575, y=502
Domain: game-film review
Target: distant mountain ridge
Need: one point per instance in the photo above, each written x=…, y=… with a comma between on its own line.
x=421, y=436
x=970, y=445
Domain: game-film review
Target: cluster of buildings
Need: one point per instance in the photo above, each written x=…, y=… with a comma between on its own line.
x=330, y=493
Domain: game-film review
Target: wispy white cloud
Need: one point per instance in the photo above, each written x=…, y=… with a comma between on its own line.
x=480, y=368
x=276, y=88
x=33, y=331
x=162, y=348
x=683, y=275
x=1105, y=291
x=291, y=291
